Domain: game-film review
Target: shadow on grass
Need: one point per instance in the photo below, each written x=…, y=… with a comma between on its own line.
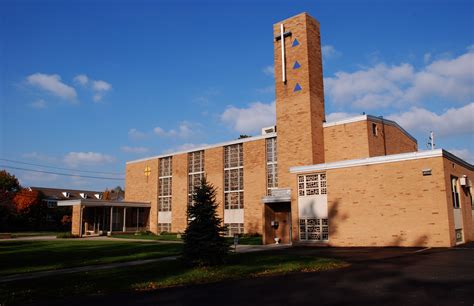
x=30, y=256
x=161, y=275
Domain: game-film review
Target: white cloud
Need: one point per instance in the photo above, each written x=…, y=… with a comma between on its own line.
x=463, y=154
x=74, y=159
x=383, y=86
x=100, y=88
x=269, y=70
x=39, y=104
x=185, y=130
x=250, y=119
x=455, y=121
x=137, y=150
x=136, y=134
x=81, y=79
x=427, y=58
x=329, y=52
x=52, y=84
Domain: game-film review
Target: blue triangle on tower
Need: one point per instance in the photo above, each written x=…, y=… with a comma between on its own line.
x=297, y=87
x=296, y=65
x=295, y=43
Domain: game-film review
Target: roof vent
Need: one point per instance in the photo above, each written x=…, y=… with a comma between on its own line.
x=66, y=194
x=98, y=196
x=83, y=195
x=269, y=130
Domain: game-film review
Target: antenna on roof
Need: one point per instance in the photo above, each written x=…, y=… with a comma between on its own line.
x=431, y=144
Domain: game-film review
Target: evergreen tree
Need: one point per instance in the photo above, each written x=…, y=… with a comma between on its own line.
x=204, y=242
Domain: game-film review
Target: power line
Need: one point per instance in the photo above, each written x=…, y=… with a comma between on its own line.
x=64, y=174
x=59, y=168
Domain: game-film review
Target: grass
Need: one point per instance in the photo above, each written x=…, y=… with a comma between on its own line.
x=32, y=234
x=246, y=240
x=161, y=275
x=31, y=256
x=149, y=236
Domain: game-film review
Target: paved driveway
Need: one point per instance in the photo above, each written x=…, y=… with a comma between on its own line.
x=377, y=276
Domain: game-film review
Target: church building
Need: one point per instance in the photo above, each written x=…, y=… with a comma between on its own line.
x=354, y=182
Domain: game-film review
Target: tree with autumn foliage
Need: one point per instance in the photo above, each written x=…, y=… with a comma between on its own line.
x=25, y=199
x=31, y=211
x=9, y=186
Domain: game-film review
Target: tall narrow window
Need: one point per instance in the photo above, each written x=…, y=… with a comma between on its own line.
x=234, y=177
x=195, y=172
x=272, y=170
x=455, y=192
x=165, y=188
x=374, y=129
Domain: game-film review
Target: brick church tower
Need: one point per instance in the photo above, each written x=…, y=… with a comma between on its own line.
x=299, y=94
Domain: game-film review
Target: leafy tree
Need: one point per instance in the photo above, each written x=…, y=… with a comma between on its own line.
x=204, y=242
x=25, y=199
x=31, y=211
x=9, y=186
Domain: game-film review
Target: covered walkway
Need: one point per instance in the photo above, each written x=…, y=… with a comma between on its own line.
x=100, y=217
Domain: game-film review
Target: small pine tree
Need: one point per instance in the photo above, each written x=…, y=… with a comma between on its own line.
x=204, y=242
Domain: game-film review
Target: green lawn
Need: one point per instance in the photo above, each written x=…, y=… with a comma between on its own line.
x=149, y=236
x=32, y=234
x=173, y=237
x=30, y=256
x=160, y=275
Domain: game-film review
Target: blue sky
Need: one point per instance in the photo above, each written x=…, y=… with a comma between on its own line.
x=88, y=85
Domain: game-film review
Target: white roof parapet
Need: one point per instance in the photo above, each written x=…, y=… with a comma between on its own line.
x=227, y=143
x=97, y=203
x=371, y=118
x=380, y=160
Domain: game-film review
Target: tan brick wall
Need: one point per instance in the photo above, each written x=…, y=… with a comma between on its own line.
x=355, y=140
x=299, y=114
x=452, y=168
x=346, y=141
x=214, y=170
x=389, y=140
x=390, y=204
x=76, y=220
x=179, y=193
x=254, y=184
x=139, y=188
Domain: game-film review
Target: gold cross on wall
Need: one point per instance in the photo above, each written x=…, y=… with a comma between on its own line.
x=147, y=172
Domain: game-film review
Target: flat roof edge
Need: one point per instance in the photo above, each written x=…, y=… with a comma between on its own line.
x=221, y=144
x=102, y=203
x=373, y=118
x=370, y=161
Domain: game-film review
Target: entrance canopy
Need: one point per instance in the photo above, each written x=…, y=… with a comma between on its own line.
x=278, y=196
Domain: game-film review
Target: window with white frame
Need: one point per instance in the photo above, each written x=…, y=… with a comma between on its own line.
x=234, y=177
x=164, y=227
x=314, y=229
x=272, y=169
x=164, y=181
x=312, y=184
x=455, y=192
x=195, y=172
x=234, y=228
